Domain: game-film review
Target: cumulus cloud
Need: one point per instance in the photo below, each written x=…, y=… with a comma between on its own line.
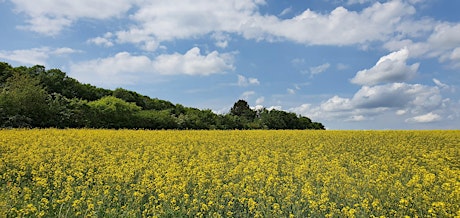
x=340, y=27
x=445, y=36
x=260, y=100
x=35, y=56
x=153, y=22
x=398, y=95
x=49, y=17
x=247, y=94
x=243, y=81
x=453, y=57
x=336, y=103
x=102, y=41
x=221, y=39
x=441, y=41
x=167, y=20
x=425, y=118
x=193, y=63
x=125, y=68
x=389, y=68
x=385, y=94
x=371, y=101
x=440, y=84
x=156, y=21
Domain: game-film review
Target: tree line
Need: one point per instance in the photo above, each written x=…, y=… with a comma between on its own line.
x=33, y=97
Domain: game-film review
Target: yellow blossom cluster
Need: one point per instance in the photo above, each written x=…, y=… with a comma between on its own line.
x=260, y=173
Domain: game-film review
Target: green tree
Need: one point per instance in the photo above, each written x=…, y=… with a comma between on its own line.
x=241, y=109
x=154, y=119
x=112, y=112
x=6, y=71
x=23, y=102
x=274, y=119
x=56, y=81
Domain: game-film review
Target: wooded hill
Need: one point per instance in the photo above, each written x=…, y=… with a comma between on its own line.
x=33, y=97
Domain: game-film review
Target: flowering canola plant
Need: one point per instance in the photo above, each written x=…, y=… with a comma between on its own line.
x=261, y=173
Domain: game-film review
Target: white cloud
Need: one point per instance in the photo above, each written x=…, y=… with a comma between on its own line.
x=440, y=84
x=401, y=112
x=319, y=69
x=372, y=101
x=285, y=11
x=437, y=40
x=260, y=100
x=63, y=51
x=103, y=41
x=243, y=81
x=125, y=68
x=445, y=36
x=167, y=20
x=221, y=39
x=291, y=91
x=49, y=17
x=253, y=81
x=336, y=103
x=156, y=21
x=453, y=57
x=356, y=118
x=425, y=118
x=378, y=22
x=390, y=68
x=247, y=94
x=35, y=56
x=275, y=107
x=46, y=25
x=351, y=2
x=397, y=95
x=193, y=63
x=26, y=56
x=342, y=66
x=257, y=107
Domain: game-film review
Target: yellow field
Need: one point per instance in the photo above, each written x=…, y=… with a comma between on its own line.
x=109, y=173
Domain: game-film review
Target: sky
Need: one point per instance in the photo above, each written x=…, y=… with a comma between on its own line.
x=349, y=64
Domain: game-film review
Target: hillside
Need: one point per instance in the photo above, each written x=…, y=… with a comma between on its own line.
x=33, y=97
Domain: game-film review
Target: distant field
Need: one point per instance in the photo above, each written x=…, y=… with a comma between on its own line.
x=126, y=173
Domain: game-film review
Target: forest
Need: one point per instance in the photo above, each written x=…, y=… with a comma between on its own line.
x=34, y=97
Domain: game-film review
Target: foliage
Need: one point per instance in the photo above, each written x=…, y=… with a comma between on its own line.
x=112, y=112
x=23, y=102
x=126, y=173
x=36, y=97
x=241, y=109
x=154, y=119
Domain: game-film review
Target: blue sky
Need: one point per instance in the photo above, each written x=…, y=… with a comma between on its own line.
x=349, y=64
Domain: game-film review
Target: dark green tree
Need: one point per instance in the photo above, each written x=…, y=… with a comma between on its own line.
x=23, y=102
x=241, y=109
x=56, y=81
x=6, y=71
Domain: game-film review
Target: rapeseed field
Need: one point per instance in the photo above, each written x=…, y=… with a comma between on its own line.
x=128, y=173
